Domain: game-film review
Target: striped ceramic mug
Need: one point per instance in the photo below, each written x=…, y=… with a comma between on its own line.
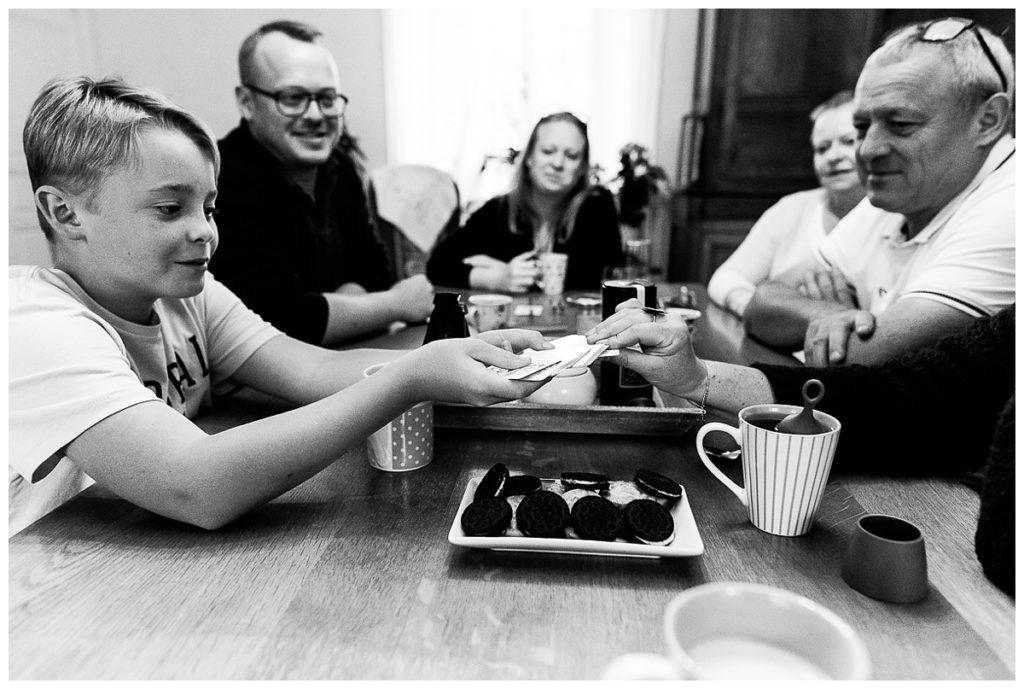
x=784, y=475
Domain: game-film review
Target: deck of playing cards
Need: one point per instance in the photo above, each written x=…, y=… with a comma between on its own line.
x=571, y=351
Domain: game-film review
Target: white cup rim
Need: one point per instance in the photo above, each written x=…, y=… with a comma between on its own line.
x=861, y=660
x=785, y=410
x=489, y=299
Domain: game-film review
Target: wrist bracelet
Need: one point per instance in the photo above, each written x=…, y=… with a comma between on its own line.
x=707, y=389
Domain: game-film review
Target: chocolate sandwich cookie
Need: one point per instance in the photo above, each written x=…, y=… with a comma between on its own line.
x=584, y=479
x=648, y=522
x=653, y=483
x=571, y=496
x=486, y=517
x=520, y=485
x=543, y=514
x=596, y=519
x=491, y=484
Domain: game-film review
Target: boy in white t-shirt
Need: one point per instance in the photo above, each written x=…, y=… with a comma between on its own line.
x=116, y=348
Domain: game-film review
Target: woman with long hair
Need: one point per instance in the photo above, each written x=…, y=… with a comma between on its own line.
x=552, y=206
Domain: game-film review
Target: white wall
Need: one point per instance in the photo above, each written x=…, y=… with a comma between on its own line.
x=191, y=56
x=33, y=59
x=678, y=74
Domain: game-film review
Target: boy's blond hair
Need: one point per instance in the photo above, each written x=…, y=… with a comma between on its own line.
x=79, y=130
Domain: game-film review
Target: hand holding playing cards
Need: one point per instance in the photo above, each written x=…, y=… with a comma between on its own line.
x=571, y=351
x=665, y=356
x=462, y=370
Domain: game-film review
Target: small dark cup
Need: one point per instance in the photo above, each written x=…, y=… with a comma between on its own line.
x=886, y=560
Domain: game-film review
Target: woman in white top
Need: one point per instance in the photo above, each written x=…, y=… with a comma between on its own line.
x=787, y=233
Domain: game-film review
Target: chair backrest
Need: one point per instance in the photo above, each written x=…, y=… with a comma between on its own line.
x=413, y=205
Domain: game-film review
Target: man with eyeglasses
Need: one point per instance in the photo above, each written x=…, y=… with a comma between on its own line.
x=297, y=243
x=932, y=246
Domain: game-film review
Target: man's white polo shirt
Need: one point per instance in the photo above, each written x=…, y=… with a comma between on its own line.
x=963, y=258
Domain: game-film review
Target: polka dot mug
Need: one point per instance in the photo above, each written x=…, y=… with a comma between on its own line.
x=407, y=442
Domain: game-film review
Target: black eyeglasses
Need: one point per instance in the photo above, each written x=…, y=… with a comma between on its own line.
x=942, y=30
x=294, y=102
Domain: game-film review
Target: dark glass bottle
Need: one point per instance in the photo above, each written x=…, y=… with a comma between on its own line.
x=448, y=319
x=621, y=386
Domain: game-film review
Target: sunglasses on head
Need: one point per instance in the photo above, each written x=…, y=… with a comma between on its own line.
x=950, y=28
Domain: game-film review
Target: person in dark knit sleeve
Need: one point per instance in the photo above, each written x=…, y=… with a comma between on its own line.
x=959, y=393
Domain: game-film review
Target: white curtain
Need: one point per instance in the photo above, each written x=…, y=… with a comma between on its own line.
x=465, y=84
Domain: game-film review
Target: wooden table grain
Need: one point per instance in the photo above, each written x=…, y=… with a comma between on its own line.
x=351, y=576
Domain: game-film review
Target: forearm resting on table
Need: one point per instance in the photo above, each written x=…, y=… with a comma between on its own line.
x=731, y=290
x=158, y=459
x=911, y=324
x=778, y=315
x=481, y=278
x=352, y=288
x=732, y=387
x=729, y=388
x=497, y=277
x=352, y=315
x=736, y=301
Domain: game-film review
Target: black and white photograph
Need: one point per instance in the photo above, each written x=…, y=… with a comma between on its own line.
x=517, y=341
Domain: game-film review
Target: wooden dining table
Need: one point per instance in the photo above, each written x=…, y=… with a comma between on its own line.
x=351, y=575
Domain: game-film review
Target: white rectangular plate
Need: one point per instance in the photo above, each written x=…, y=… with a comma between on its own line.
x=687, y=541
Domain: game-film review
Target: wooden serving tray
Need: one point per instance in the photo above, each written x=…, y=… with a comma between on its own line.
x=606, y=420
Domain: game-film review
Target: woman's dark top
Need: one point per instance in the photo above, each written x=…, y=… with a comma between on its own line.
x=593, y=244
x=944, y=409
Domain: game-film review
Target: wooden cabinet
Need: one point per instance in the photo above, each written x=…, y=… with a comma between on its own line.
x=771, y=68
x=767, y=71
x=719, y=238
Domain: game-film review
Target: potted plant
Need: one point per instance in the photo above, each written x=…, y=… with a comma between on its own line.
x=638, y=181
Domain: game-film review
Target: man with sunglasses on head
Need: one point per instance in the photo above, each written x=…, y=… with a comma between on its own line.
x=932, y=246
x=298, y=245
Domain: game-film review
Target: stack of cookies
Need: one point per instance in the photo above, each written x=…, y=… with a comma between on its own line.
x=578, y=505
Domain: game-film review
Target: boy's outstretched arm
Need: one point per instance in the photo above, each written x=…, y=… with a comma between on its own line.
x=154, y=457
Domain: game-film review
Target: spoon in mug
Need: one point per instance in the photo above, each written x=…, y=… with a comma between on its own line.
x=803, y=422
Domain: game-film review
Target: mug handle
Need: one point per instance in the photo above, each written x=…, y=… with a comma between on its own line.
x=735, y=433
x=471, y=320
